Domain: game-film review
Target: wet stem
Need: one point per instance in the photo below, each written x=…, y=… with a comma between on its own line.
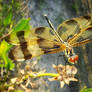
x=41, y=75
x=33, y=76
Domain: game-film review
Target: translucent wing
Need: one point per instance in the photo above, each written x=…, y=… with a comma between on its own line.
x=44, y=32
x=81, y=43
x=34, y=48
x=83, y=37
x=39, y=32
x=37, y=41
x=68, y=29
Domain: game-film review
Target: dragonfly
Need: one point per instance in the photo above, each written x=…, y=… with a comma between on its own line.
x=46, y=40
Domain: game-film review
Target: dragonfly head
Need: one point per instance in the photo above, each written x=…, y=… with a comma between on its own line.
x=72, y=57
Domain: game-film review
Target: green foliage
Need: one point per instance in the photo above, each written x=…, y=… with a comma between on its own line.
x=7, y=63
x=86, y=90
x=8, y=19
x=9, y=14
x=23, y=24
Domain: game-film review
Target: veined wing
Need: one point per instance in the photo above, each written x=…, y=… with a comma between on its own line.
x=35, y=47
x=44, y=32
x=32, y=43
x=68, y=29
x=39, y=32
x=83, y=37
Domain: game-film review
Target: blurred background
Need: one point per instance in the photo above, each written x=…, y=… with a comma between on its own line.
x=58, y=11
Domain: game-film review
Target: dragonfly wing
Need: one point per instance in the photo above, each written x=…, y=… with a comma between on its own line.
x=81, y=43
x=71, y=27
x=34, y=48
x=34, y=42
x=83, y=37
x=44, y=32
x=39, y=32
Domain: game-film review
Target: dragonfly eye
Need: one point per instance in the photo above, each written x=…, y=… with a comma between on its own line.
x=73, y=59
